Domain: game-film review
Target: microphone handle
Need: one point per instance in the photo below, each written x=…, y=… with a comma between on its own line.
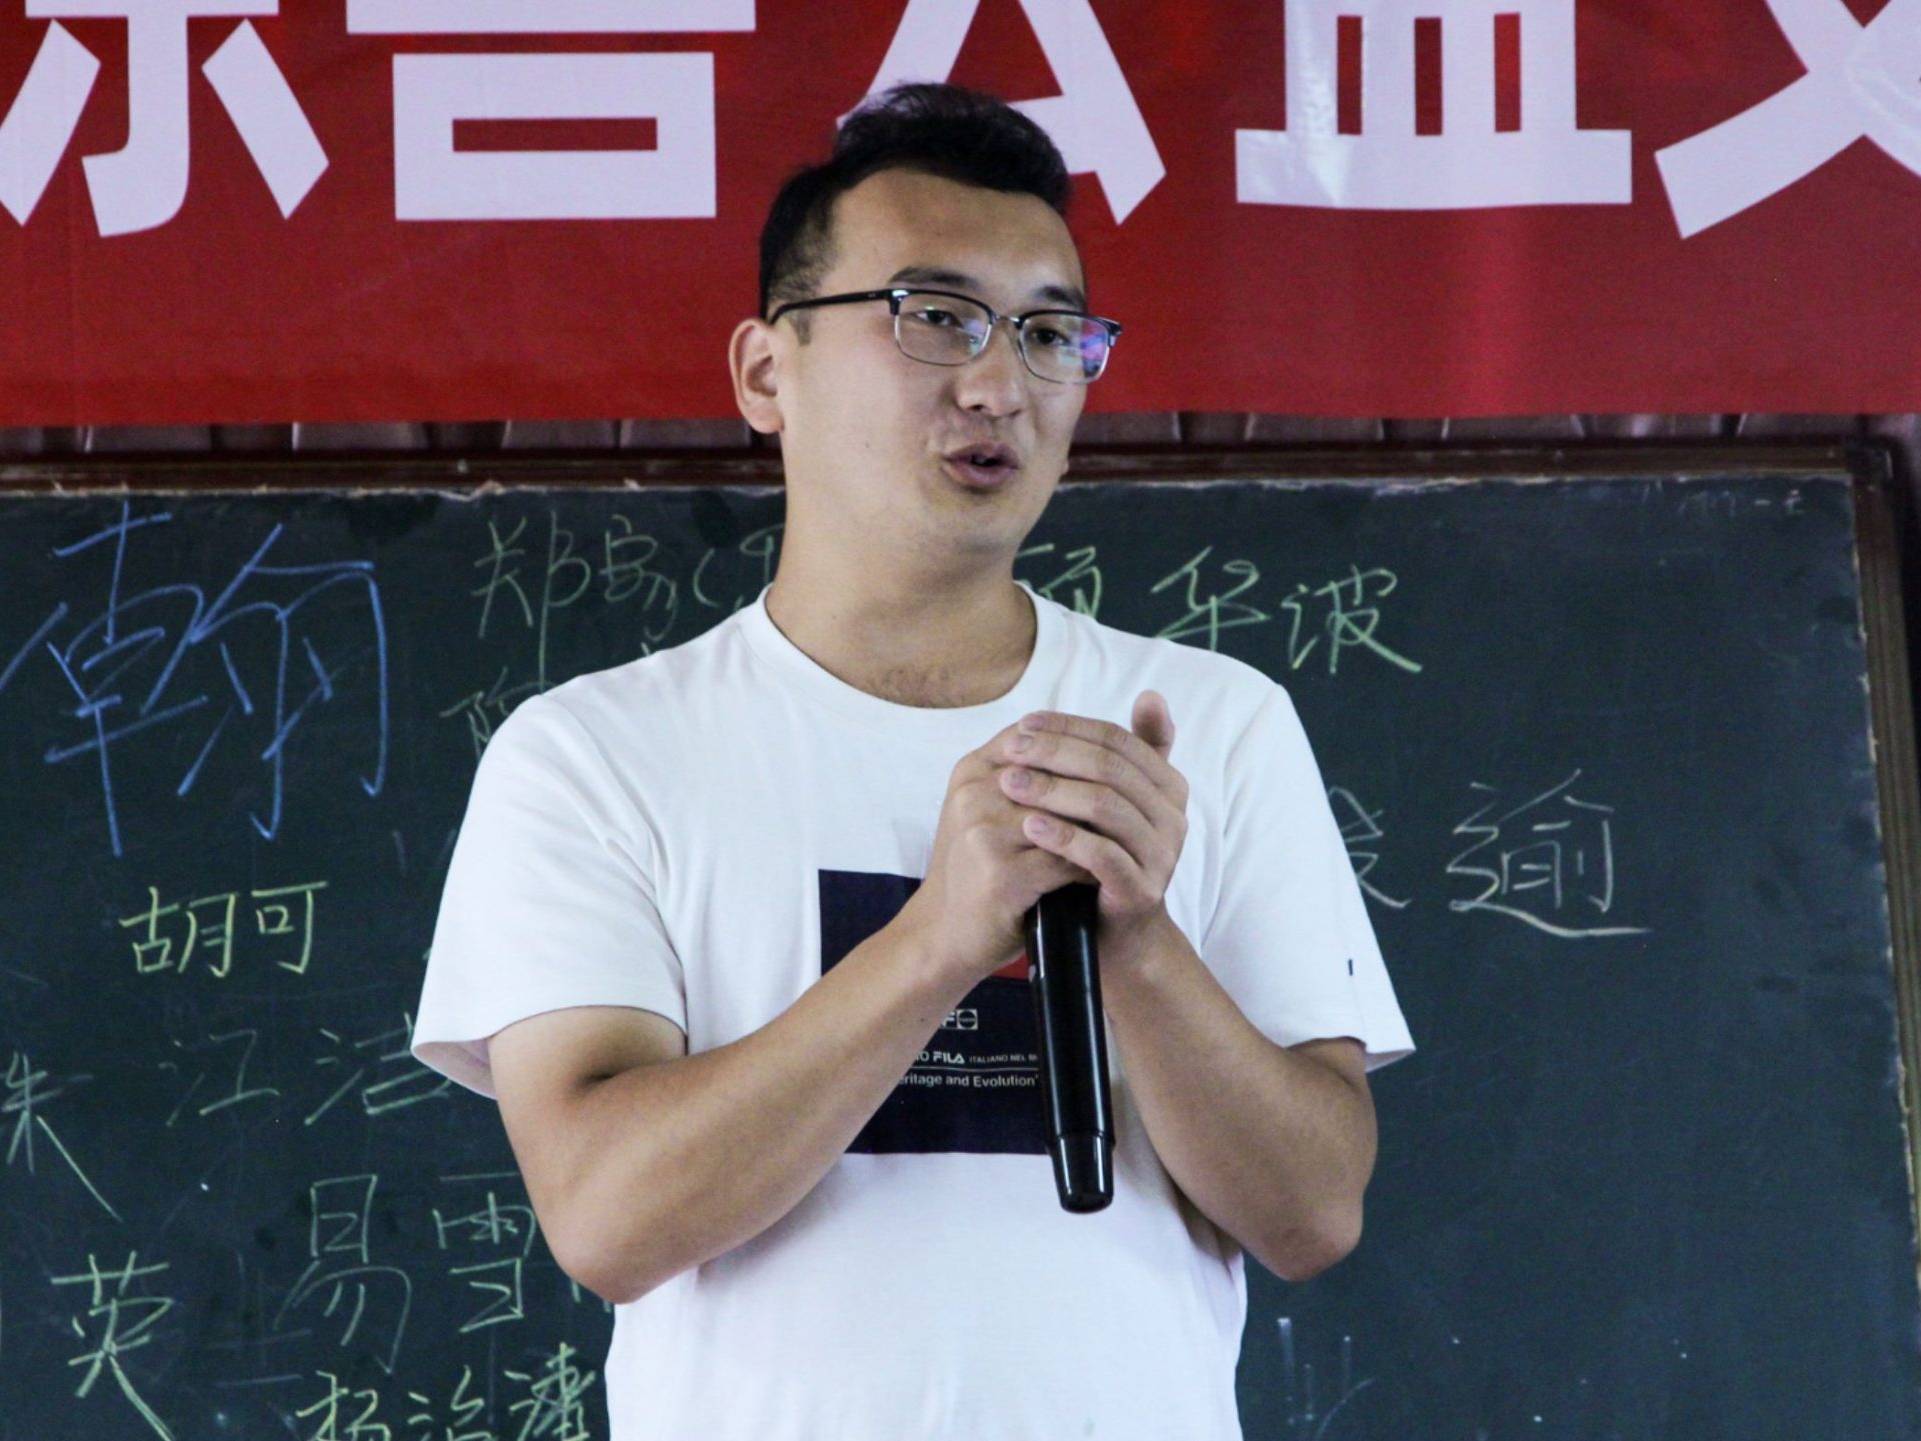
x=1065, y=972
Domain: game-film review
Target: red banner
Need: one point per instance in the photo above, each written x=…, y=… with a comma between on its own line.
x=214, y=211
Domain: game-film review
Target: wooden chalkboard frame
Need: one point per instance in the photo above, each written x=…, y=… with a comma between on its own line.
x=1880, y=510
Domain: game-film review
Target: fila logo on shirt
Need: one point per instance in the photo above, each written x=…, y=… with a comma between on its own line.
x=976, y=1086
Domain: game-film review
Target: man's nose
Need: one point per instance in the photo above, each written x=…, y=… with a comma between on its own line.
x=997, y=378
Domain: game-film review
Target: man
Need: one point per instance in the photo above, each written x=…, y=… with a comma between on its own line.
x=732, y=931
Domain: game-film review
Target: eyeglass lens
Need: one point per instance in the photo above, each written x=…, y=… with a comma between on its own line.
x=946, y=330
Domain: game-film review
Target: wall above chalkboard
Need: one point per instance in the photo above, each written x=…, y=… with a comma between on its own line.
x=1621, y=744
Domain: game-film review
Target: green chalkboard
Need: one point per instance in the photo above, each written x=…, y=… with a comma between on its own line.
x=1622, y=751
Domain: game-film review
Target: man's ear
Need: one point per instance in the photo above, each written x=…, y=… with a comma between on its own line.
x=756, y=372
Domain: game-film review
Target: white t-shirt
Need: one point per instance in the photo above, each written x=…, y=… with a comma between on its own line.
x=702, y=832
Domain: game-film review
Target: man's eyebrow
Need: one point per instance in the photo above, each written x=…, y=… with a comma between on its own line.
x=940, y=275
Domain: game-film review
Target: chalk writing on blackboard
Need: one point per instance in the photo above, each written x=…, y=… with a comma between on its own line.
x=387, y=1050
x=559, y=1398
x=1077, y=586
x=1706, y=500
x=458, y=1418
x=212, y=931
x=168, y=656
x=1210, y=613
x=1304, y=1416
x=552, y=1408
x=119, y=1318
x=342, y=1414
x=489, y=1222
x=484, y=710
x=523, y=592
x=499, y=1282
x=1361, y=828
x=248, y=1038
x=487, y=1228
x=341, y=1271
x=377, y=1070
x=1562, y=857
x=1335, y=612
x=28, y=1091
x=491, y=1226
x=518, y=594
x=563, y=579
x=626, y=569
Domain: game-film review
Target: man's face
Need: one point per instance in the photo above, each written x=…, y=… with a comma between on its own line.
x=865, y=429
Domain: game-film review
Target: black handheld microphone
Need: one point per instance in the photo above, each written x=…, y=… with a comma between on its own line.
x=1073, y=1043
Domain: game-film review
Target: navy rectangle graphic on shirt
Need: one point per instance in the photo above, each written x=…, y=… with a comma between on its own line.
x=976, y=1087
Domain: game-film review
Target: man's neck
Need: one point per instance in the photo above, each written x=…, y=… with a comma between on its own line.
x=953, y=650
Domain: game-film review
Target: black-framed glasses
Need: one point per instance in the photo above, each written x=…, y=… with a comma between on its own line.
x=944, y=327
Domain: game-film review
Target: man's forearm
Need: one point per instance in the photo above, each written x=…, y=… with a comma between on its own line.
x=691, y=1157
x=1274, y=1148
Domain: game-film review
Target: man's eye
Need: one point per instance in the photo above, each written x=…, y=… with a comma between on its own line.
x=1052, y=338
x=933, y=316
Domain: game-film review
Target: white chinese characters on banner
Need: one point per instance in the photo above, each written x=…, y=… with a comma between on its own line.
x=435, y=181
x=1861, y=80
x=141, y=185
x=1549, y=160
x=1095, y=120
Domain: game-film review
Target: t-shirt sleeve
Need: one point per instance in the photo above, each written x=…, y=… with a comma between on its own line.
x=549, y=900
x=1289, y=938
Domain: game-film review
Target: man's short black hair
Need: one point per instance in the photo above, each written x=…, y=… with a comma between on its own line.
x=937, y=129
